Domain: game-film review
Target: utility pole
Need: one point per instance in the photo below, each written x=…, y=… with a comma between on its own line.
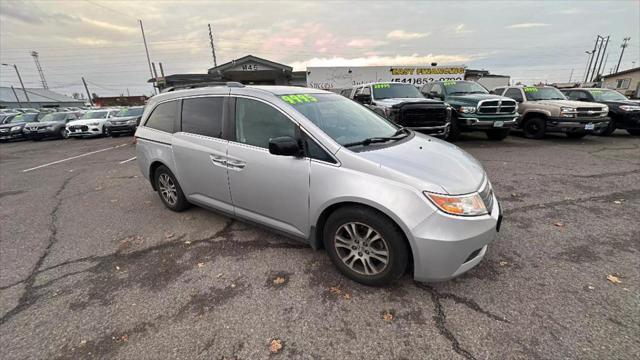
x=213, y=49
x=603, y=53
x=37, y=61
x=595, y=64
x=591, y=60
x=571, y=76
x=623, y=46
x=16, y=95
x=88, y=93
x=586, y=69
x=146, y=49
x=20, y=79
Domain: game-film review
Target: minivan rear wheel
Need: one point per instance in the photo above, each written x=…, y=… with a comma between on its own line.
x=169, y=190
x=365, y=246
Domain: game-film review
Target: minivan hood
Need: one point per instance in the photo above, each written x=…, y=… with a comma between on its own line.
x=395, y=101
x=431, y=160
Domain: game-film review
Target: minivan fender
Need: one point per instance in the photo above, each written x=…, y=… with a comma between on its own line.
x=318, y=221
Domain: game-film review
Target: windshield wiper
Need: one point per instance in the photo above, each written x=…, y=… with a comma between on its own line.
x=401, y=133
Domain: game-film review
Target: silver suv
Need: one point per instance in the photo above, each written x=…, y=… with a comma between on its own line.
x=321, y=168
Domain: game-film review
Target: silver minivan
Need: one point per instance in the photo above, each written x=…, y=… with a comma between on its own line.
x=318, y=167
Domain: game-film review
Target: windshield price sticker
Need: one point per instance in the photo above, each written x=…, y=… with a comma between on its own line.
x=530, y=89
x=381, y=86
x=449, y=83
x=299, y=99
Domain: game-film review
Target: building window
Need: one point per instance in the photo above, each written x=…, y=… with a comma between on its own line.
x=623, y=83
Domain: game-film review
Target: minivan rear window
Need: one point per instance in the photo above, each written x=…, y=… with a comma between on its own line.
x=163, y=116
x=202, y=116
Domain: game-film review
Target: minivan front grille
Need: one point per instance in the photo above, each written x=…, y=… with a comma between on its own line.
x=496, y=107
x=486, y=195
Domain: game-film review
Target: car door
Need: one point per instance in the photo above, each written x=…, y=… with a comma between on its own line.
x=269, y=189
x=200, y=152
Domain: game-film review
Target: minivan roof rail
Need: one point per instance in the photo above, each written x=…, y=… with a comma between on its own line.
x=204, y=84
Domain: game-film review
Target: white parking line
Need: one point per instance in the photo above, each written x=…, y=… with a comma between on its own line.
x=126, y=161
x=73, y=157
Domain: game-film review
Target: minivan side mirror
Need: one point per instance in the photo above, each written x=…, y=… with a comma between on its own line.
x=285, y=146
x=363, y=98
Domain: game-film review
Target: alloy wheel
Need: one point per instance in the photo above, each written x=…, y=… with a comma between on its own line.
x=361, y=248
x=168, y=189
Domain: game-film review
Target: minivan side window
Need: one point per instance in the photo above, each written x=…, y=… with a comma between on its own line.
x=203, y=116
x=257, y=122
x=162, y=117
x=514, y=93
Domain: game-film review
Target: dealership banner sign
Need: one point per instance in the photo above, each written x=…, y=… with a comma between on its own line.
x=346, y=77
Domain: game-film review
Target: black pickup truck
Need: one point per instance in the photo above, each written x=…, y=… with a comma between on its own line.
x=404, y=105
x=624, y=113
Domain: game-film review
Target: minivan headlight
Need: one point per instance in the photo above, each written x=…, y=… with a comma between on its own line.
x=464, y=205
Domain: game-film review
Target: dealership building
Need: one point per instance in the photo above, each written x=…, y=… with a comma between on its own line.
x=253, y=70
x=13, y=97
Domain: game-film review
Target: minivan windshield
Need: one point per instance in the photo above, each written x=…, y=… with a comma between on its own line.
x=607, y=95
x=542, y=93
x=95, y=115
x=344, y=120
x=463, y=87
x=395, y=91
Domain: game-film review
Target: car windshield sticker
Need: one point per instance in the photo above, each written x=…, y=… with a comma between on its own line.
x=530, y=89
x=449, y=82
x=299, y=99
x=381, y=86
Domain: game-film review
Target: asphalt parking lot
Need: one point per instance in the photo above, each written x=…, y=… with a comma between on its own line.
x=93, y=266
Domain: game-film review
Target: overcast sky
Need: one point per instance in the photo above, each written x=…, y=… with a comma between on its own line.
x=101, y=40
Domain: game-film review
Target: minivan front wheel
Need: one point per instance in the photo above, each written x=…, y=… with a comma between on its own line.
x=169, y=190
x=365, y=245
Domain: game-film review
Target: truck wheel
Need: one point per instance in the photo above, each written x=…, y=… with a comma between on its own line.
x=634, y=132
x=576, y=135
x=454, y=130
x=497, y=134
x=169, y=190
x=605, y=131
x=366, y=246
x=534, y=128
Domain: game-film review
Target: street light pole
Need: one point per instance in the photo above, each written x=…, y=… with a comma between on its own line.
x=20, y=79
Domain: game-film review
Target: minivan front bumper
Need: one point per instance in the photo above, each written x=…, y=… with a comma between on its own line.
x=446, y=246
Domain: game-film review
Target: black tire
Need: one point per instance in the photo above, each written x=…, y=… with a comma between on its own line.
x=497, y=134
x=176, y=203
x=534, y=128
x=105, y=131
x=634, y=132
x=576, y=134
x=605, y=131
x=63, y=134
x=454, y=130
x=391, y=238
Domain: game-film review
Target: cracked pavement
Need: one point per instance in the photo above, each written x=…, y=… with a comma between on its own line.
x=93, y=266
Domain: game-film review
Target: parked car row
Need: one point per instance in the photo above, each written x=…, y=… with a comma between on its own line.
x=448, y=108
x=39, y=125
